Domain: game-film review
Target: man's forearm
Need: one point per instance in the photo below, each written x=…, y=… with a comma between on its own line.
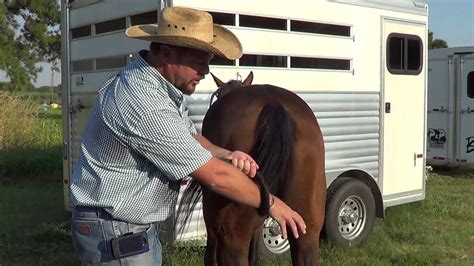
x=215, y=150
x=227, y=181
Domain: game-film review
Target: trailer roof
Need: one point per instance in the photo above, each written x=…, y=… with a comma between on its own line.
x=443, y=53
x=412, y=6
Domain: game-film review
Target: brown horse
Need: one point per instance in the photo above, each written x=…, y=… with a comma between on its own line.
x=279, y=130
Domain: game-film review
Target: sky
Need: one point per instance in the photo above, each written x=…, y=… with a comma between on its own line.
x=450, y=20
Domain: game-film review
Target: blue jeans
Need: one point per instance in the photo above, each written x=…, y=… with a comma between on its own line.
x=93, y=229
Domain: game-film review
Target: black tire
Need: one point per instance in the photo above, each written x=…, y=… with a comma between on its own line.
x=350, y=212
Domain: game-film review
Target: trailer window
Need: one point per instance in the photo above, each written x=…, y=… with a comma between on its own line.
x=223, y=18
x=320, y=63
x=262, y=22
x=110, y=62
x=404, y=54
x=110, y=25
x=80, y=32
x=144, y=18
x=470, y=84
x=221, y=61
x=320, y=28
x=263, y=60
x=82, y=65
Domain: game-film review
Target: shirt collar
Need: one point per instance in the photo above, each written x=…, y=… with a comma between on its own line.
x=174, y=94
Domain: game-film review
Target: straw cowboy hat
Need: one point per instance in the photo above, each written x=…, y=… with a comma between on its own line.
x=186, y=27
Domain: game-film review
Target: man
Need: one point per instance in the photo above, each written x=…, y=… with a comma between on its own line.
x=139, y=143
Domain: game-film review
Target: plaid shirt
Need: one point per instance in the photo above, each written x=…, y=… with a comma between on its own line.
x=136, y=147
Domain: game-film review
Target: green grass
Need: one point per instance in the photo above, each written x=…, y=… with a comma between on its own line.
x=34, y=230
x=34, y=227
x=39, y=155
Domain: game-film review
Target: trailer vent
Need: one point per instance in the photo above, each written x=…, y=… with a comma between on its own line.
x=320, y=63
x=144, y=18
x=82, y=65
x=320, y=28
x=262, y=22
x=263, y=60
x=223, y=18
x=110, y=25
x=80, y=32
x=221, y=61
x=110, y=62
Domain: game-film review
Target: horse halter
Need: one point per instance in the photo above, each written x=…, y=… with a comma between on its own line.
x=216, y=94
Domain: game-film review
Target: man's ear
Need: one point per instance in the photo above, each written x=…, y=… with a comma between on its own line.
x=167, y=54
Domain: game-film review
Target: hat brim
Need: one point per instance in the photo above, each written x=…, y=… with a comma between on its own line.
x=225, y=43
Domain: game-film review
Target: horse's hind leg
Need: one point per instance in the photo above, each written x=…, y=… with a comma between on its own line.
x=210, y=258
x=305, y=249
x=306, y=194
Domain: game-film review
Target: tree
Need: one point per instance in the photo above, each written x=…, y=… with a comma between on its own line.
x=29, y=34
x=436, y=43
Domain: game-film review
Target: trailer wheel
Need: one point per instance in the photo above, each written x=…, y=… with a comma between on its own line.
x=270, y=245
x=272, y=242
x=350, y=212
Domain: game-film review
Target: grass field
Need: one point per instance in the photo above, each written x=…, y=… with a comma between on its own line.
x=30, y=139
x=34, y=230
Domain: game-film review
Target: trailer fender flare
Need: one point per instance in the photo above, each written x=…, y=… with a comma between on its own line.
x=364, y=176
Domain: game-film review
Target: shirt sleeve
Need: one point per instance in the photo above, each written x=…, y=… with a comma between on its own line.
x=165, y=138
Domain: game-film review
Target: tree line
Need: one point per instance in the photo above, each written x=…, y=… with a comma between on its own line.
x=30, y=34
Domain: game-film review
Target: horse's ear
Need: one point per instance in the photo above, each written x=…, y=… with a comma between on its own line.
x=218, y=82
x=248, y=80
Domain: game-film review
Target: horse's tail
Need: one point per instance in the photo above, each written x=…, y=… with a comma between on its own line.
x=274, y=137
x=273, y=141
x=190, y=197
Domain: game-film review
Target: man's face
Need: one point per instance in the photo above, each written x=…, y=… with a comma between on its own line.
x=191, y=66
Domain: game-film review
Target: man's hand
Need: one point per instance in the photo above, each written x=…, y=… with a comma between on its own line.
x=243, y=162
x=285, y=216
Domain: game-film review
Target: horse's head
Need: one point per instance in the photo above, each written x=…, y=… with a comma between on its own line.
x=224, y=88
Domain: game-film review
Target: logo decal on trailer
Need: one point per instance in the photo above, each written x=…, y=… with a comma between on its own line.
x=437, y=138
x=470, y=144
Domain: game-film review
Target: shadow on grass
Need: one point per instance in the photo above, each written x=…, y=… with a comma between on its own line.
x=32, y=163
x=454, y=171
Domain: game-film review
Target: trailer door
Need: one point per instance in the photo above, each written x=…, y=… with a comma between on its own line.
x=466, y=109
x=440, y=111
x=403, y=110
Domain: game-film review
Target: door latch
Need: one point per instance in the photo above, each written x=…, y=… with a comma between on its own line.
x=388, y=107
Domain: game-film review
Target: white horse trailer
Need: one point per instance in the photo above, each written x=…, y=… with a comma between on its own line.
x=451, y=107
x=359, y=64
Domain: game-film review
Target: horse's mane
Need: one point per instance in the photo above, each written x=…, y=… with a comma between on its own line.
x=273, y=140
